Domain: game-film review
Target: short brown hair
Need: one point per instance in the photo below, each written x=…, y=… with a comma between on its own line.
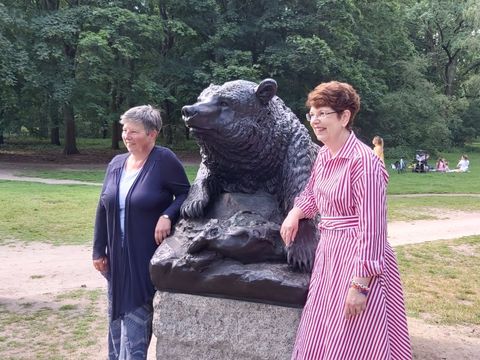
x=337, y=95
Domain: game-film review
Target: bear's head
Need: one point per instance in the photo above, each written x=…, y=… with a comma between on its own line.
x=225, y=113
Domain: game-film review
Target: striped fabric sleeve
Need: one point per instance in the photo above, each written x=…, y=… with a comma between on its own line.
x=369, y=192
x=306, y=200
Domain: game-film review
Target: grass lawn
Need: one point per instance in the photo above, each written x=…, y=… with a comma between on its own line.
x=30, y=143
x=64, y=214
x=441, y=281
x=95, y=176
x=87, y=175
x=437, y=183
x=69, y=331
x=55, y=214
x=403, y=208
x=404, y=183
x=434, y=183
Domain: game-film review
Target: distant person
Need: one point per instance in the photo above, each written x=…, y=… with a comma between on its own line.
x=104, y=130
x=378, y=147
x=399, y=165
x=440, y=165
x=354, y=308
x=463, y=164
x=445, y=161
x=140, y=201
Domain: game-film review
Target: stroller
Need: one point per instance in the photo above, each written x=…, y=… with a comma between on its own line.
x=420, y=162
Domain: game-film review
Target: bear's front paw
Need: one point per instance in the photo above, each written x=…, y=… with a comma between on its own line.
x=301, y=254
x=299, y=258
x=193, y=209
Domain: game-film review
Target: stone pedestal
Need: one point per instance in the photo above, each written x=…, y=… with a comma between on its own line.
x=198, y=327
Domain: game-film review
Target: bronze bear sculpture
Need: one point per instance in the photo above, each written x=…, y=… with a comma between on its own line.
x=249, y=141
x=256, y=158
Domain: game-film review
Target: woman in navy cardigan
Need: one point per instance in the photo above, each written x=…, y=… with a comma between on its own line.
x=140, y=200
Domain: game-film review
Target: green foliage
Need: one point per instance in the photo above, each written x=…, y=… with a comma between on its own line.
x=14, y=67
x=114, y=59
x=447, y=31
x=414, y=63
x=236, y=65
x=416, y=114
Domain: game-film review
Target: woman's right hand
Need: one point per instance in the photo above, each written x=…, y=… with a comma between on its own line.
x=289, y=227
x=101, y=264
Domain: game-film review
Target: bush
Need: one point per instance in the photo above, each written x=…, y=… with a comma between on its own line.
x=405, y=152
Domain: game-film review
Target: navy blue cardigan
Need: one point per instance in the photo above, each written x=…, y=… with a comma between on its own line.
x=160, y=188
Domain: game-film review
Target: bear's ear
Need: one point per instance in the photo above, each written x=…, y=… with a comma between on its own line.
x=266, y=90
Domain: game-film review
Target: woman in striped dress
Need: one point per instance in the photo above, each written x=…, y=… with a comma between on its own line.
x=355, y=307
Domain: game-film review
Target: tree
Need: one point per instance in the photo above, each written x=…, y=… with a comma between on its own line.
x=88, y=61
x=451, y=38
x=118, y=52
x=414, y=115
x=14, y=65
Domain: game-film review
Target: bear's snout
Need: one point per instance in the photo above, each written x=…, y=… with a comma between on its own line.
x=188, y=111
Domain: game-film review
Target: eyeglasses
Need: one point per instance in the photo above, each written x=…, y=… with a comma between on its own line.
x=321, y=115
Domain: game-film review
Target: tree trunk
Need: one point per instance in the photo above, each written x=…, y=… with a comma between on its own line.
x=54, y=114
x=450, y=71
x=50, y=5
x=168, y=134
x=116, y=102
x=104, y=130
x=43, y=129
x=167, y=122
x=55, y=136
x=70, y=147
x=116, y=130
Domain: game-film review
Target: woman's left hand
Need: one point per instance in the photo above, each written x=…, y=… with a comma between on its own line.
x=355, y=303
x=162, y=230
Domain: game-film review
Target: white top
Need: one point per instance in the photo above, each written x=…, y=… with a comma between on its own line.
x=126, y=182
x=463, y=165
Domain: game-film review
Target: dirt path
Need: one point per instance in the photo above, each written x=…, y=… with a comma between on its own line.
x=459, y=224
x=36, y=273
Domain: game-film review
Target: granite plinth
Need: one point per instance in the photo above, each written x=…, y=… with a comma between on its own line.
x=199, y=327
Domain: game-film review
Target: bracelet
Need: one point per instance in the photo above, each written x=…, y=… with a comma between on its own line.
x=362, y=289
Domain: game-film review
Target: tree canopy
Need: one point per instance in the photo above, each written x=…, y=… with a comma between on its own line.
x=73, y=66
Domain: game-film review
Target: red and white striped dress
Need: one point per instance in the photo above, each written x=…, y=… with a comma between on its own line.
x=349, y=192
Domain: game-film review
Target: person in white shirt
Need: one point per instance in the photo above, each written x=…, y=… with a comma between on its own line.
x=462, y=165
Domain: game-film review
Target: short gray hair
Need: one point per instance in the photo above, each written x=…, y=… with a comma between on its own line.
x=146, y=115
